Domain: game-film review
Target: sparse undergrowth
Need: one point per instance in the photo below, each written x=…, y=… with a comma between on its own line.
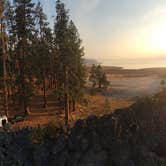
x=48, y=133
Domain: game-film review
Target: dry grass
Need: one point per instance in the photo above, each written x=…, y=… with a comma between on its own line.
x=122, y=89
x=95, y=106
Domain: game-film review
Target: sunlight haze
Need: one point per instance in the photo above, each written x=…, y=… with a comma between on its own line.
x=114, y=30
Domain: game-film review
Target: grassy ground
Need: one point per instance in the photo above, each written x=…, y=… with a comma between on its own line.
x=119, y=95
x=97, y=105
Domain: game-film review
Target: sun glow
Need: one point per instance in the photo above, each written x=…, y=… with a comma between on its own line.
x=158, y=38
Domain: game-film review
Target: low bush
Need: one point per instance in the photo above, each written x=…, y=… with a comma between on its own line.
x=48, y=133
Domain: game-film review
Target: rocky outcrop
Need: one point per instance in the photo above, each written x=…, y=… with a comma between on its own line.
x=130, y=137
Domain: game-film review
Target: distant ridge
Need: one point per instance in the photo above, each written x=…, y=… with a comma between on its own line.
x=154, y=71
x=90, y=62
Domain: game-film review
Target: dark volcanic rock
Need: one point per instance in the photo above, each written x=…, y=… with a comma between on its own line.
x=129, y=137
x=94, y=159
x=84, y=144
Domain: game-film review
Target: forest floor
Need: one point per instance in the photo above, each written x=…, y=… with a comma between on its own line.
x=97, y=105
x=122, y=93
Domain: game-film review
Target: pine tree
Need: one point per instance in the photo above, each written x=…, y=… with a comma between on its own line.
x=60, y=31
x=77, y=68
x=104, y=80
x=44, y=38
x=24, y=28
x=31, y=53
x=93, y=76
x=71, y=71
x=11, y=42
x=98, y=77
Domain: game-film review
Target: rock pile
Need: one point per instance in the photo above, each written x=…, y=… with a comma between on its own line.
x=129, y=137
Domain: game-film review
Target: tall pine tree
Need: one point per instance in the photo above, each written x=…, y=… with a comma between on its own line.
x=24, y=28
x=60, y=31
x=70, y=52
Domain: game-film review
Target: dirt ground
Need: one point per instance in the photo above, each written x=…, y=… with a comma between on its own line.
x=120, y=94
x=97, y=105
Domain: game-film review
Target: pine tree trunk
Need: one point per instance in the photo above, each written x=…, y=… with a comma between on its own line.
x=44, y=91
x=74, y=105
x=70, y=105
x=67, y=109
x=67, y=102
x=22, y=77
x=4, y=66
x=99, y=84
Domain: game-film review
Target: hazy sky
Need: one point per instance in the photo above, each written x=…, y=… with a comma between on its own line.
x=130, y=33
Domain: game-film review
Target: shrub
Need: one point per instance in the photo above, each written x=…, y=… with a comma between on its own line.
x=48, y=133
x=36, y=136
x=52, y=131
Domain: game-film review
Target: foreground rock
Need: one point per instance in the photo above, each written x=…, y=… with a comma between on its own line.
x=130, y=137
